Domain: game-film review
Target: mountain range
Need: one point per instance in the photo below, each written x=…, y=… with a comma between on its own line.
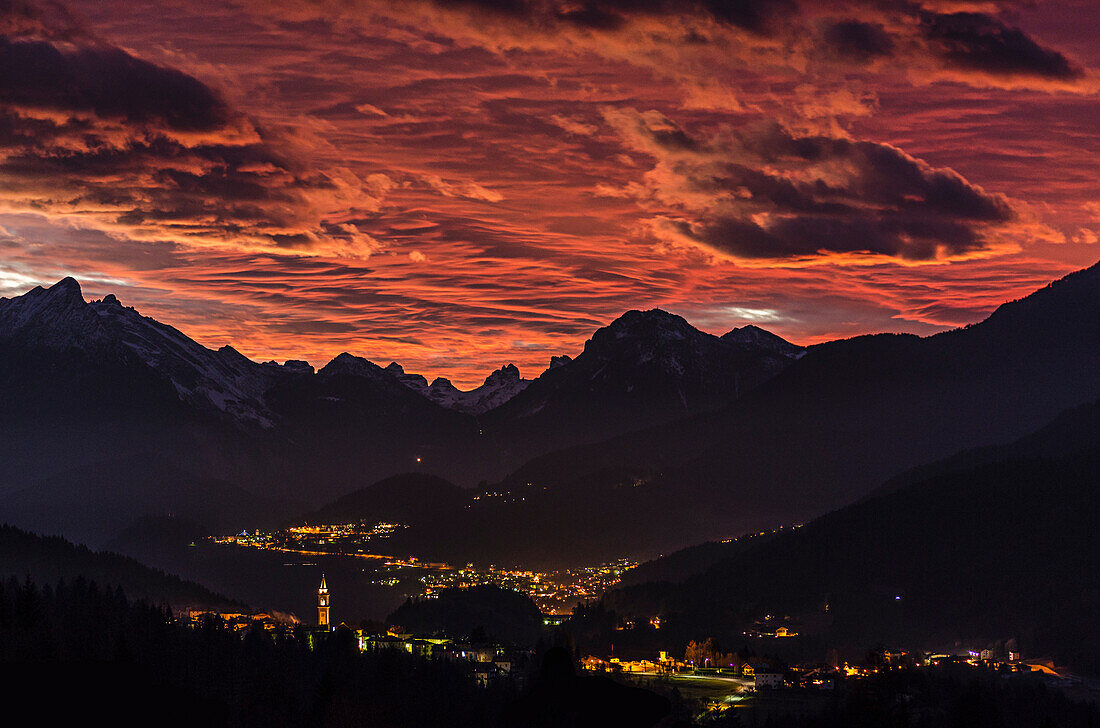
x=655, y=436
x=838, y=422
x=109, y=416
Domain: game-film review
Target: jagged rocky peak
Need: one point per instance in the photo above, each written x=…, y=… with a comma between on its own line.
x=417, y=382
x=559, y=361
x=442, y=384
x=111, y=300
x=299, y=366
x=68, y=288
x=63, y=294
x=498, y=387
x=507, y=373
x=228, y=353
x=56, y=316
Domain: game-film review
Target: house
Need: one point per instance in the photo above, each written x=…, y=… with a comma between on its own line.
x=769, y=680
x=752, y=669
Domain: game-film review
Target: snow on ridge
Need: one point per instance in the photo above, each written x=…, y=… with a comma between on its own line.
x=225, y=379
x=498, y=388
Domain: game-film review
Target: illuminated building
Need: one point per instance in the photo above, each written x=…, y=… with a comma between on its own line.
x=322, y=603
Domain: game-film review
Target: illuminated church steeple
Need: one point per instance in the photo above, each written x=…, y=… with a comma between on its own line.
x=322, y=603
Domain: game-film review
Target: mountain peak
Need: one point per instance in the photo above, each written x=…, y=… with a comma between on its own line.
x=652, y=317
x=507, y=373
x=228, y=353
x=67, y=283
x=67, y=291
x=297, y=365
x=654, y=325
x=345, y=363
x=59, y=314
x=751, y=336
x=559, y=361
x=442, y=383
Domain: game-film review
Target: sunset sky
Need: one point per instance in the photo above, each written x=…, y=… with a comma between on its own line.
x=458, y=184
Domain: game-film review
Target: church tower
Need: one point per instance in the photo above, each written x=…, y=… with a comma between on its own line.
x=322, y=603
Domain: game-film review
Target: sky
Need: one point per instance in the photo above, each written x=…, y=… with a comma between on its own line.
x=460, y=184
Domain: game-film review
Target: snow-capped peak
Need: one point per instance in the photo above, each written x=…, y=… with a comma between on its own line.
x=58, y=318
x=499, y=387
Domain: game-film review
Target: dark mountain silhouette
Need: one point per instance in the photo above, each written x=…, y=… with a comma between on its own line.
x=95, y=399
x=770, y=436
x=755, y=338
x=49, y=559
x=644, y=368
x=844, y=418
x=95, y=503
x=353, y=423
x=407, y=498
x=687, y=562
x=983, y=549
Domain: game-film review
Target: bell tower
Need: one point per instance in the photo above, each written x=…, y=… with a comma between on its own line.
x=322, y=603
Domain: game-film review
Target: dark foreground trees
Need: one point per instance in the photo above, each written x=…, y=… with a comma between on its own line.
x=76, y=651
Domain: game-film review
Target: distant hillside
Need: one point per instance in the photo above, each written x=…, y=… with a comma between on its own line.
x=679, y=565
x=1071, y=432
x=94, y=505
x=978, y=552
x=49, y=559
x=1074, y=431
x=406, y=498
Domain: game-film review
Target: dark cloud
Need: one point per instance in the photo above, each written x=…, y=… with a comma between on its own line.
x=856, y=40
x=88, y=129
x=908, y=237
x=769, y=193
x=106, y=81
x=853, y=31
x=23, y=19
x=757, y=16
x=981, y=42
x=592, y=15
x=518, y=8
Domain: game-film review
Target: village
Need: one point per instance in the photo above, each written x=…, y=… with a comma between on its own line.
x=554, y=592
x=711, y=681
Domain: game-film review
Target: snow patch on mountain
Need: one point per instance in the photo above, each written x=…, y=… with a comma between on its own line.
x=58, y=317
x=226, y=379
x=498, y=388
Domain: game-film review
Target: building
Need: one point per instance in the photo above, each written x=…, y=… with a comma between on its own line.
x=322, y=604
x=770, y=680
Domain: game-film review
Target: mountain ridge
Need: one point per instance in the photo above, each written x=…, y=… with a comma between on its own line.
x=691, y=434
x=109, y=384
